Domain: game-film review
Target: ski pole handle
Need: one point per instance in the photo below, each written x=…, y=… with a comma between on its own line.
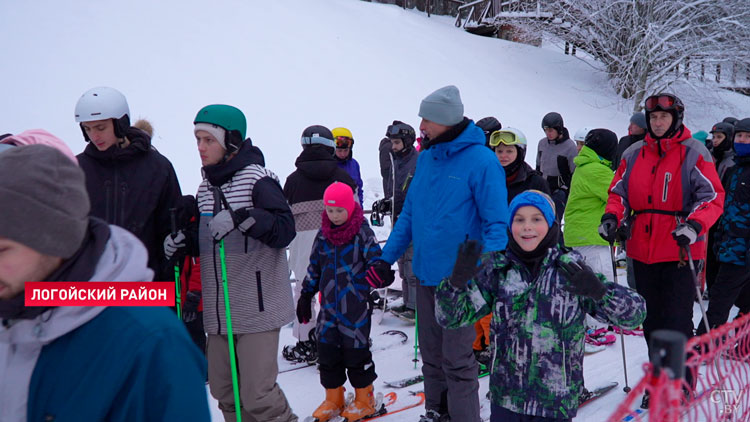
x=173, y=221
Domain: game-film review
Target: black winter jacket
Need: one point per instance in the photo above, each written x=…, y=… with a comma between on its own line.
x=406, y=166
x=525, y=178
x=625, y=143
x=316, y=170
x=134, y=188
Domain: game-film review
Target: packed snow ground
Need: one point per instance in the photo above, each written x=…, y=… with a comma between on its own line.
x=289, y=64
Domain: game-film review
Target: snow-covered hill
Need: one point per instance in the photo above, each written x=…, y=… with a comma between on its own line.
x=289, y=64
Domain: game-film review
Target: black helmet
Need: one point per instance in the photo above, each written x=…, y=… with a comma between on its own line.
x=489, y=125
x=401, y=130
x=742, y=125
x=669, y=103
x=728, y=130
x=553, y=120
x=731, y=120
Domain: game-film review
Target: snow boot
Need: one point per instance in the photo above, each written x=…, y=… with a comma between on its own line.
x=645, y=400
x=303, y=351
x=362, y=406
x=434, y=416
x=331, y=406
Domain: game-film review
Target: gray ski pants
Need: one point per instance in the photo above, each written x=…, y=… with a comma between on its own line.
x=449, y=367
x=261, y=397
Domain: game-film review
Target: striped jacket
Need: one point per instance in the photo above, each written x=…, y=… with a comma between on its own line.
x=661, y=182
x=260, y=294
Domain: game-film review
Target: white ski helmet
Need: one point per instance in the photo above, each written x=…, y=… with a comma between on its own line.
x=581, y=133
x=103, y=103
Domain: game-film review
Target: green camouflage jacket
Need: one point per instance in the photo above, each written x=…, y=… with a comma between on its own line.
x=537, y=329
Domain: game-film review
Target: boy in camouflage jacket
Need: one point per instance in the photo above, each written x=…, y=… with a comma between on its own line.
x=538, y=295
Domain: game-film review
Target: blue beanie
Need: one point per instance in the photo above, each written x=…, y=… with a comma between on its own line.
x=534, y=198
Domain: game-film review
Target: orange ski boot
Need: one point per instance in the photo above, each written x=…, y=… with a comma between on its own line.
x=331, y=406
x=363, y=405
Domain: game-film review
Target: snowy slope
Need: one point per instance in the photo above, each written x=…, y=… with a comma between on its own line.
x=292, y=63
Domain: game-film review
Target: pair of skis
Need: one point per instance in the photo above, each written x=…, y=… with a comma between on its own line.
x=388, y=405
x=590, y=397
x=416, y=379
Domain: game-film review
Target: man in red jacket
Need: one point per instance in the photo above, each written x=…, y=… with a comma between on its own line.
x=665, y=196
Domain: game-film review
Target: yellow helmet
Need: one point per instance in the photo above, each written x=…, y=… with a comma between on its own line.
x=342, y=132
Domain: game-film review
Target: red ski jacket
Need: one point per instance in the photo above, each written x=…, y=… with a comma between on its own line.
x=659, y=183
x=190, y=278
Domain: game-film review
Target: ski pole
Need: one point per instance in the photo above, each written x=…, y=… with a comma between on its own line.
x=622, y=336
x=416, y=337
x=230, y=335
x=700, y=302
x=177, y=287
x=697, y=288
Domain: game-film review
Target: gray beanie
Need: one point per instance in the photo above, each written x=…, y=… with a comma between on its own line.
x=43, y=200
x=443, y=106
x=639, y=119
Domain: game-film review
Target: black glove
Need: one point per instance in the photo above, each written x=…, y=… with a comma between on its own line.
x=608, y=228
x=380, y=274
x=466, y=266
x=190, y=306
x=304, y=307
x=582, y=280
x=686, y=233
x=623, y=232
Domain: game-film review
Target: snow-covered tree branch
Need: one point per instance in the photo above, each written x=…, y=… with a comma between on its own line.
x=643, y=43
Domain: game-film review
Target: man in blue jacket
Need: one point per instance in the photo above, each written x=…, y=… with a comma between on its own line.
x=78, y=363
x=458, y=191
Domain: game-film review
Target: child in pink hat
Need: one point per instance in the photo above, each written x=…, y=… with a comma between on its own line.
x=341, y=253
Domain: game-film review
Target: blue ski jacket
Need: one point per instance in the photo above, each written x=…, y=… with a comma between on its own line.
x=458, y=191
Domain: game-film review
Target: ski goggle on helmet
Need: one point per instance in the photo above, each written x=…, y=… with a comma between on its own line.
x=400, y=130
x=508, y=136
x=343, y=142
x=664, y=102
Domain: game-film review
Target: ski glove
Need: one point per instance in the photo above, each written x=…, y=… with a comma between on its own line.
x=172, y=243
x=226, y=221
x=608, y=228
x=379, y=274
x=466, y=267
x=582, y=280
x=686, y=233
x=304, y=307
x=190, y=307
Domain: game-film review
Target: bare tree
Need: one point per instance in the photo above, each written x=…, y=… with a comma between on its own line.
x=642, y=43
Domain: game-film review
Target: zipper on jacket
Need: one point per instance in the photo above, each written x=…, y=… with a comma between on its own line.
x=107, y=200
x=123, y=191
x=114, y=200
x=218, y=290
x=336, y=276
x=667, y=179
x=260, y=291
x=564, y=360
